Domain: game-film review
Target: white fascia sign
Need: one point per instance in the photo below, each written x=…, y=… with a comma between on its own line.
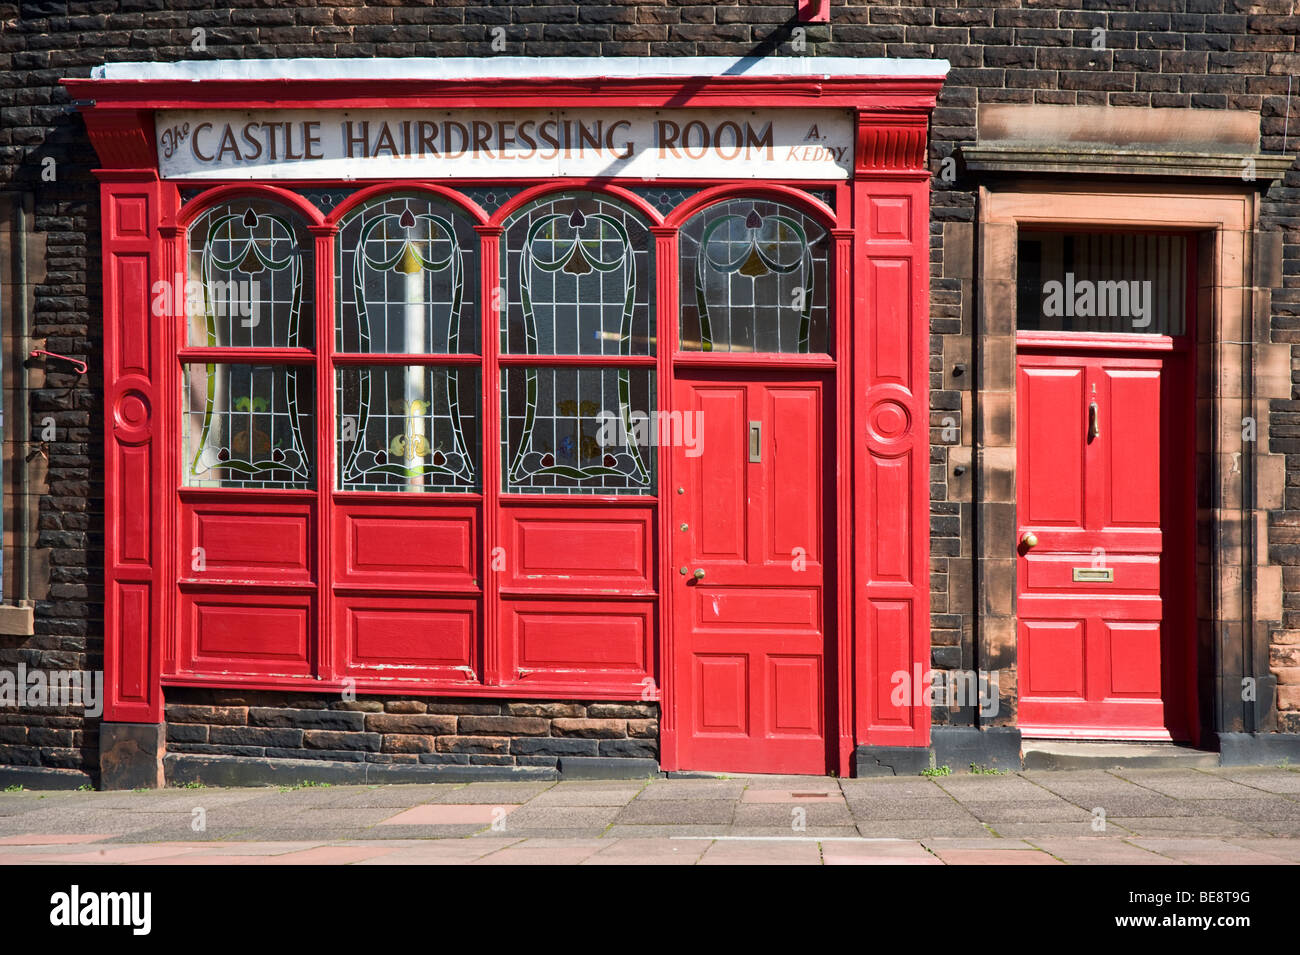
x=505, y=143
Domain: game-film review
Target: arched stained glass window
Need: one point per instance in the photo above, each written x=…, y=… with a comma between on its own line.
x=577, y=274
x=248, y=424
x=755, y=277
x=407, y=274
x=253, y=265
x=406, y=278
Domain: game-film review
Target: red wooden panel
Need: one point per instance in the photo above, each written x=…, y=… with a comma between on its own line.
x=576, y=642
x=891, y=664
x=749, y=608
x=408, y=638
x=578, y=548
x=1133, y=649
x=130, y=216
x=131, y=664
x=248, y=634
x=719, y=506
x=132, y=504
x=129, y=290
x=1053, y=659
x=1055, y=572
x=889, y=488
x=795, y=518
x=1132, y=416
x=722, y=703
x=245, y=540
x=797, y=691
x=890, y=217
x=890, y=287
x=1052, y=439
x=406, y=546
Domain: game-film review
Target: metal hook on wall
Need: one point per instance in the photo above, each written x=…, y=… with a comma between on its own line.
x=81, y=365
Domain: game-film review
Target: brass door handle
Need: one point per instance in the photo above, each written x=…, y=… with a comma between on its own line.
x=698, y=575
x=1094, y=425
x=1029, y=539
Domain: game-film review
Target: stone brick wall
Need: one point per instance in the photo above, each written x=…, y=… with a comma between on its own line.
x=436, y=731
x=1191, y=54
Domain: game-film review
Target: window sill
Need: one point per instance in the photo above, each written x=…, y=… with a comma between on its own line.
x=16, y=621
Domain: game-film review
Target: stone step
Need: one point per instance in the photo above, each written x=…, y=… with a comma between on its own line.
x=1077, y=754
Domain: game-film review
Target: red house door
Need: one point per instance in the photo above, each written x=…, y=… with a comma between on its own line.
x=749, y=548
x=1102, y=566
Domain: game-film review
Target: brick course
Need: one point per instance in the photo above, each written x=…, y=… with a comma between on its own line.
x=388, y=730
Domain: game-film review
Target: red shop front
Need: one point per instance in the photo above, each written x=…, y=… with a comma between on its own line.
x=595, y=380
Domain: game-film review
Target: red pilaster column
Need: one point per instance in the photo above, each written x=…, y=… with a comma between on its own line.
x=891, y=488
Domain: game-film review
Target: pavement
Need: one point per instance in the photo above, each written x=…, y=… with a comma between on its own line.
x=1084, y=817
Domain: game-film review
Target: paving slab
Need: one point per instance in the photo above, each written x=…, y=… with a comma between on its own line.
x=648, y=852
x=890, y=787
x=787, y=832
x=1269, y=780
x=1083, y=850
x=968, y=827
x=620, y=831
x=1186, y=785
x=678, y=790
x=877, y=853
x=788, y=815
x=1259, y=808
x=1288, y=849
x=543, y=851
x=929, y=807
x=51, y=839
x=574, y=795
x=666, y=812
x=755, y=852
x=494, y=793
x=987, y=788
x=1025, y=856
x=436, y=814
x=936, y=843
x=808, y=796
x=1207, y=852
x=328, y=855
x=1034, y=810
x=442, y=852
x=561, y=817
x=1185, y=825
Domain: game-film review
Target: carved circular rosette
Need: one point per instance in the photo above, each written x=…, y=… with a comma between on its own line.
x=888, y=420
x=132, y=413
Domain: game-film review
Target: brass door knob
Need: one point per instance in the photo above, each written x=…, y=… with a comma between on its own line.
x=699, y=575
x=1029, y=539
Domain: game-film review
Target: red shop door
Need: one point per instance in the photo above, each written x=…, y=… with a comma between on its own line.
x=749, y=548
x=1104, y=579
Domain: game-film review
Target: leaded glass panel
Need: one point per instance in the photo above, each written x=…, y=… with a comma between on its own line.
x=755, y=277
x=247, y=426
x=577, y=272
x=407, y=272
x=250, y=278
x=408, y=428
x=578, y=430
